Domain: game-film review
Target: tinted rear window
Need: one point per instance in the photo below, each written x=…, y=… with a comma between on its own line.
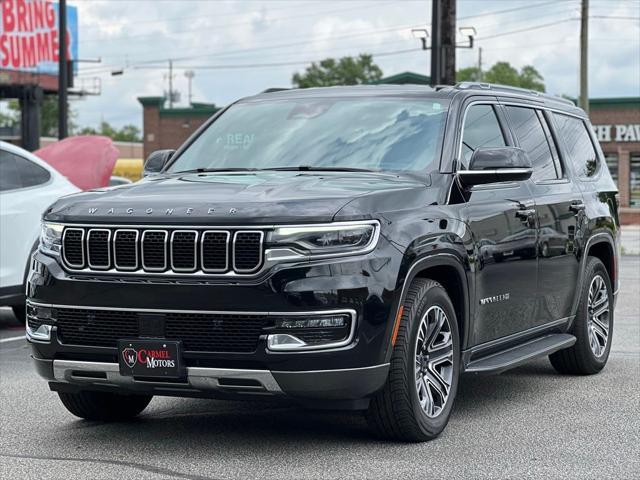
x=578, y=146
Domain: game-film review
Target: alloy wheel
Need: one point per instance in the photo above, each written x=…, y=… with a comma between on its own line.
x=433, y=361
x=598, y=316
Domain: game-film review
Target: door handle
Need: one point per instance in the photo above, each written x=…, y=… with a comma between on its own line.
x=577, y=207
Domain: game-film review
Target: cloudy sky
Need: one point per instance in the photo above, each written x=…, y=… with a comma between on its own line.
x=238, y=48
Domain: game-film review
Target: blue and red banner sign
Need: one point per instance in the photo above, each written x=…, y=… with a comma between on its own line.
x=29, y=36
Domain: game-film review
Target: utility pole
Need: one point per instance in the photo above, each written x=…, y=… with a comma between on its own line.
x=170, y=83
x=479, y=79
x=436, y=42
x=584, y=56
x=62, y=69
x=189, y=74
x=448, y=41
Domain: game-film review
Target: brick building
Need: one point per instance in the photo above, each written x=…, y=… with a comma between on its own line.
x=170, y=127
x=616, y=122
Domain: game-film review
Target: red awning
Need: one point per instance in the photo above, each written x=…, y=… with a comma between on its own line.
x=87, y=161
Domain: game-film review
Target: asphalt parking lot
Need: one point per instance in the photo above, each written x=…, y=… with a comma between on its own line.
x=527, y=423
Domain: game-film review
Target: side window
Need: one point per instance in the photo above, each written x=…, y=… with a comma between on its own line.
x=577, y=141
x=17, y=172
x=531, y=136
x=481, y=129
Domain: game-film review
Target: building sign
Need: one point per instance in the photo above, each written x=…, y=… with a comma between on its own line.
x=29, y=36
x=617, y=133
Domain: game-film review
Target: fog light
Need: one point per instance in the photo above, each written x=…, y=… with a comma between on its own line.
x=311, y=332
x=41, y=333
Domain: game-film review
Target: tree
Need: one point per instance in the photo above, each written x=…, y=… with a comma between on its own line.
x=48, y=115
x=128, y=133
x=345, y=71
x=504, y=74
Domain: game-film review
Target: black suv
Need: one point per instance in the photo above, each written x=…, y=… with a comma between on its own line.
x=349, y=247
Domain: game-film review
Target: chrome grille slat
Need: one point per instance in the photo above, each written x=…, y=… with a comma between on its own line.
x=154, y=250
x=99, y=248
x=111, y=249
x=214, y=251
x=73, y=247
x=184, y=251
x=247, y=251
x=125, y=249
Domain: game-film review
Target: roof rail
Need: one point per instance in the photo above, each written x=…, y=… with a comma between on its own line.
x=275, y=89
x=509, y=89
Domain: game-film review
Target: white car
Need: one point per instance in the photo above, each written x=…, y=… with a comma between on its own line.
x=28, y=186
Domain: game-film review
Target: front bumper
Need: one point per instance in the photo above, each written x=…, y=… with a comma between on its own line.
x=365, y=285
x=330, y=385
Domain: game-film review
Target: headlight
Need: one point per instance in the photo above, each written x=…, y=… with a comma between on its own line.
x=321, y=240
x=51, y=238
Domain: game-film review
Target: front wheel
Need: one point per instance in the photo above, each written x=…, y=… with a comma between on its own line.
x=415, y=403
x=593, y=325
x=104, y=406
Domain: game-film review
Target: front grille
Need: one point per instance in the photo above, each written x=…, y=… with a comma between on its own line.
x=198, y=332
x=155, y=250
x=73, y=247
x=98, y=248
x=246, y=251
x=183, y=250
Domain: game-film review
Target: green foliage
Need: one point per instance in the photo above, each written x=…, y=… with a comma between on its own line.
x=128, y=133
x=469, y=74
x=345, y=71
x=48, y=115
x=504, y=74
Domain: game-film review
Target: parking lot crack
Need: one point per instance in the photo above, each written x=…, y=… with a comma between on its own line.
x=138, y=466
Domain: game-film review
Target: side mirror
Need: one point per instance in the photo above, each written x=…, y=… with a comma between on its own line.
x=491, y=165
x=156, y=161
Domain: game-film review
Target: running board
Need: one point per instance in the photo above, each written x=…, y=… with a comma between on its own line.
x=515, y=356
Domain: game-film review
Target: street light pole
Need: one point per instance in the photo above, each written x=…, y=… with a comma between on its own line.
x=436, y=50
x=62, y=69
x=584, y=56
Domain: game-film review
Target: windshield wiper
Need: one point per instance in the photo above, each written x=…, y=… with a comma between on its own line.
x=311, y=168
x=208, y=170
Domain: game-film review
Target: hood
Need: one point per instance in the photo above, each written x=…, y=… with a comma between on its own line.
x=87, y=161
x=228, y=198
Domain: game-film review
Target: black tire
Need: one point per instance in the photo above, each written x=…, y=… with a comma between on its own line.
x=395, y=412
x=580, y=359
x=104, y=406
x=20, y=312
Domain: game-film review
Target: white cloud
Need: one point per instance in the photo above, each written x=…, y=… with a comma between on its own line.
x=243, y=32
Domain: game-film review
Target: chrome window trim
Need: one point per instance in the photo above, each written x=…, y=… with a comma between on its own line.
x=166, y=253
x=233, y=250
x=64, y=253
x=99, y=267
x=115, y=256
x=195, y=252
x=226, y=254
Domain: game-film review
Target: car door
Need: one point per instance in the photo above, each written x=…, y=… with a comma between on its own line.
x=558, y=207
x=501, y=218
x=23, y=198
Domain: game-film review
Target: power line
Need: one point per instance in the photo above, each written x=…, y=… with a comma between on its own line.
x=521, y=30
x=509, y=10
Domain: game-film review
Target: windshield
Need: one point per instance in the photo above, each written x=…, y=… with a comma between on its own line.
x=400, y=134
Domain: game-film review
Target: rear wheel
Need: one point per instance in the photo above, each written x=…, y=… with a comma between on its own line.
x=593, y=325
x=103, y=405
x=415, y=403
